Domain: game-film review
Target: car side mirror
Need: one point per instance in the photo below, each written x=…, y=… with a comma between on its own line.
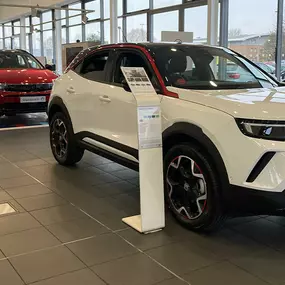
x=49, y=67
x=126, y=85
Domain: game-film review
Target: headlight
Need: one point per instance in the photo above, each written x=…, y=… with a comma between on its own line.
x=2, y=86
x=268, y=130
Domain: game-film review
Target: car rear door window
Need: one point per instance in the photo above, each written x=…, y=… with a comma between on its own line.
x=94, y=67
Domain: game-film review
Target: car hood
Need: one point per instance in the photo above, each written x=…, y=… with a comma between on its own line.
x=26, y=76
x=259, y=103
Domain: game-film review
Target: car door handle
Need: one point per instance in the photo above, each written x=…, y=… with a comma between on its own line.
x=105, y=98
x=70, y=89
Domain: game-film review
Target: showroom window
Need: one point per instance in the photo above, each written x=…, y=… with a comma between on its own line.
x=121, y=38
x=253, y=37
x=74, y=20
x=8, y=30
x=92, y=32
x=93, y=5
x=63, y=15
x=160, y=24
x=137, y=28
x=195, y=21
x=36, y=37
x=75, y=33
x=107, y=32
x=28, y=33
x=1, y=37
x=7, y=43
x=120, y=7
x=165, y=3
x=48, y=44
x=136, y=5
x=107, y=9
x=63, y=35
x=16, y=35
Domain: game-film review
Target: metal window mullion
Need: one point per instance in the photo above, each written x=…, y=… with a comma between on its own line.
x=102, y=21
x=279, y=38
x=181, y=15
x=150, y=22
x=41, y=35
x=53, y=36
x=67, y=25
x=83, y=29
x=224, y=23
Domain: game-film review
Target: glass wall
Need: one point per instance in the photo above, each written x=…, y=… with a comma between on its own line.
x=137, y=28
x=254, y=34
x=36, y=37
x=195, y=21
x=160, y=24
x=48, y=37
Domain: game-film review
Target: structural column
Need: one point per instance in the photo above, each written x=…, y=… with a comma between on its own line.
x=22, y=34
x=279, y=38
x=58, y=42
x=213, y=21
x=113, y=21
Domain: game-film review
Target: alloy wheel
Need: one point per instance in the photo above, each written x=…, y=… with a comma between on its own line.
x=187, y=189
x=59, y=138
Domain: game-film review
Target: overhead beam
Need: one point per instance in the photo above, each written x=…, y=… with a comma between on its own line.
x=43, y=7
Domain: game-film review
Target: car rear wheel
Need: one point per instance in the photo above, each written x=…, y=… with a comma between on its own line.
x=192, y=188
x=63, y=144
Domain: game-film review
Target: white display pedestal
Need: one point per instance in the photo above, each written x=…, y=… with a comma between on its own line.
x=152, y=217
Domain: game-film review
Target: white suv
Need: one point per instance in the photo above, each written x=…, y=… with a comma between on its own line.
x=220, y=136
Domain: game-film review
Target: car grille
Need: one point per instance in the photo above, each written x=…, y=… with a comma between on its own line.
x=28, y=87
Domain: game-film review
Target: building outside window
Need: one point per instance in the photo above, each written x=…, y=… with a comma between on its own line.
x=28, y=33
x=247, y=33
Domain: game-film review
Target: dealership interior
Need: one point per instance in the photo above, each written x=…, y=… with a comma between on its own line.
x=63, y=223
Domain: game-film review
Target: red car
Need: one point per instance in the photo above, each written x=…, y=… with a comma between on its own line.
x=25, y=84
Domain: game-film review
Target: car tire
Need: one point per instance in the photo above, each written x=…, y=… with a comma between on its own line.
x=62, y=141
x=192, y=188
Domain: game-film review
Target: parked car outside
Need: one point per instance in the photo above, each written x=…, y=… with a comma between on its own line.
x=25, y=84
x=222, y=138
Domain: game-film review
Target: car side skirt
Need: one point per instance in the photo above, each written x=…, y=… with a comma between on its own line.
x=108, y=154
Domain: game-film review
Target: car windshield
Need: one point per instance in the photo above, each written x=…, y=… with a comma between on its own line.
x=202, y=67
x=17, y=60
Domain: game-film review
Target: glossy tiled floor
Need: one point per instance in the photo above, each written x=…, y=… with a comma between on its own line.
x=68, y=229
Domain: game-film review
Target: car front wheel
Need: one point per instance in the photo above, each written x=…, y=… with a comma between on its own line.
x=63, y=145
x=192, y=188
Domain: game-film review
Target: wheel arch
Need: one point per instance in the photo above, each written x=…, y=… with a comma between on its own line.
x=187, y=132
x=57, y=105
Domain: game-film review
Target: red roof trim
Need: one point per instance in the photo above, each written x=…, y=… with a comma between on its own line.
x=149, y=57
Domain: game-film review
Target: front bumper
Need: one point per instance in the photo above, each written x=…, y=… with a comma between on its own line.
x=242, y=200
x=242, y=154
x=11, y=105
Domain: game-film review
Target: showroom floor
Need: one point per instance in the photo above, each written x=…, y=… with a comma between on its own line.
x=67, y=229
